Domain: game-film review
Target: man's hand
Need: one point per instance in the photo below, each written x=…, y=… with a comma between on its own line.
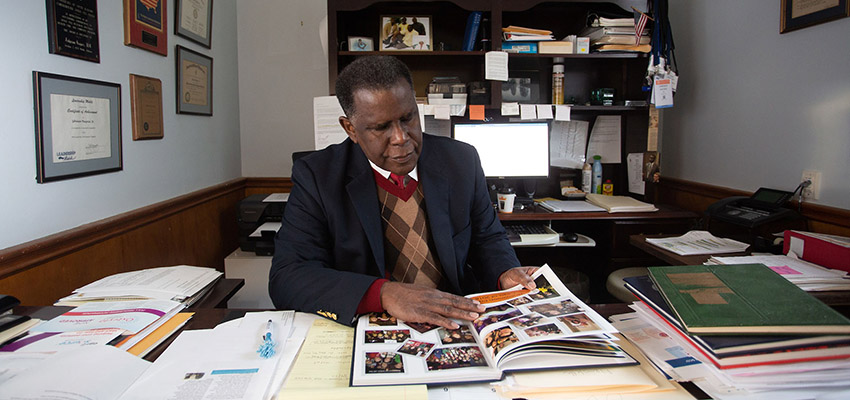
x=420, y=304
x=518, y=276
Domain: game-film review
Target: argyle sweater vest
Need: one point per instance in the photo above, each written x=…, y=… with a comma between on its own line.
x=407, y=244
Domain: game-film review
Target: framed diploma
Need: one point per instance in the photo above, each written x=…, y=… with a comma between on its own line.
x=145, y=25
x=194, y=82
x=798, y=14
x=146, y=107
x=193, y=21
x=77, y=126
x=72, y=29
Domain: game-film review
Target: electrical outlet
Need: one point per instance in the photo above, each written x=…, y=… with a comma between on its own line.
x=813, y=191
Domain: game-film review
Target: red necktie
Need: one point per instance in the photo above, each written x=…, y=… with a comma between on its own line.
x=398, y=180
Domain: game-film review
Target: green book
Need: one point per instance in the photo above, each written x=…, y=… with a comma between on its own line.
x=743, y=299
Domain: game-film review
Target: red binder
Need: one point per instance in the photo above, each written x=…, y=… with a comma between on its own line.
x=828, y=251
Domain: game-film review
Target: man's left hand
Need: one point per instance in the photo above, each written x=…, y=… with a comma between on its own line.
x=518, y=276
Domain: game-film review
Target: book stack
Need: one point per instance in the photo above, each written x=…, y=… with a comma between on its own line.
x=807, y=276
x=617, y=204
x=698, y=243
x=738, y=331
x=517, y=39
x=616, y=34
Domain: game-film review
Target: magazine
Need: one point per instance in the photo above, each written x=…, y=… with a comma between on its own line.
x=521, y=329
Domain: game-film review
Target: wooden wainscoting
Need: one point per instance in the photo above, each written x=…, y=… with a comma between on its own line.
x=696, y=197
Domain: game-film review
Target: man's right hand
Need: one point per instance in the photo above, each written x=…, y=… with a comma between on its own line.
x=414, y=303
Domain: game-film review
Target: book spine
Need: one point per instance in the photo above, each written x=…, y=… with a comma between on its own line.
x=472, y=24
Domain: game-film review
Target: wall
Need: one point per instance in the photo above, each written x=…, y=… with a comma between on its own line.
x=195, y=153
x=755, y=108
x=282, y=66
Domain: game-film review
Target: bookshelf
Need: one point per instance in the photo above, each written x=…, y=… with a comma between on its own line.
x=583, y=72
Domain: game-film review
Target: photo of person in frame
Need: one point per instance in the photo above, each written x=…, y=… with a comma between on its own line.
x=381, y=319
x=456, y=336
x=544, y=289
x=543, y=330
x=416, y=348
x=390, y=336
x=483, y=322
x=579, y=322
x=525, y=321
x=499, y=339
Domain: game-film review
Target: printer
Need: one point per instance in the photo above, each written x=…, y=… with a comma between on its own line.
x=258, y=217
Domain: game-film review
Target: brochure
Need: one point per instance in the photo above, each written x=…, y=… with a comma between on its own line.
x=521, y=329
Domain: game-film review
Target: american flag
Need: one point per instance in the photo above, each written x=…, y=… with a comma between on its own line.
x=640, y=23
x=150, y=4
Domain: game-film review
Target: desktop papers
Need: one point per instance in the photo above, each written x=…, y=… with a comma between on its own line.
x=131, y=316
x=698, y=242
x=569, y=206
x=180, y=283
x=220, y=363
x=90, y=372
x=806, y=275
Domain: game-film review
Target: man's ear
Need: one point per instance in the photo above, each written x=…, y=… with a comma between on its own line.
x=348, y=127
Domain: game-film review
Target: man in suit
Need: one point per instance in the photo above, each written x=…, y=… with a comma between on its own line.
x=390, y=219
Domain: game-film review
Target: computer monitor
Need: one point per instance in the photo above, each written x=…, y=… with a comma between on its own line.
x=509, y=150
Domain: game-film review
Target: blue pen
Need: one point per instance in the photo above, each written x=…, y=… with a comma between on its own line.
x=266, y=349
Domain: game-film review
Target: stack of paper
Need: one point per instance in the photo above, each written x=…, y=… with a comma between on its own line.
x=806, y=275
x=615, y=204
x=518, y=33
x=182, y=283
x=698, y=242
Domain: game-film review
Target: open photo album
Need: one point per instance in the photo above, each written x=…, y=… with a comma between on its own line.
x=521, y=329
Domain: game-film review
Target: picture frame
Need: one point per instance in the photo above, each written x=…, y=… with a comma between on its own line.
x=146, y=26
x=146, y=107
x=193, y=21
x=798, y=14
x=77, y=126
x=194, y=82
x=523, y=86
x=401, y=33
x=72, y=29
x=360, y=43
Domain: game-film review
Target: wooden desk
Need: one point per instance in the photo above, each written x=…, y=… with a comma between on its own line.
x=221, y=292
x=611, y=233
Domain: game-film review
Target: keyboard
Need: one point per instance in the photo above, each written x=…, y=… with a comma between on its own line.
x=527, y=234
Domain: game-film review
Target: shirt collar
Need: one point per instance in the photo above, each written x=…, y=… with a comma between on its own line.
x=386, y=174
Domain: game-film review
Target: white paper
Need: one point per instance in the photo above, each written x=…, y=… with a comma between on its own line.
x=562, y=112
x=165, y=283
x=62, y=342
x=80, y=127
x=527, y=111
x=544, y=111
x=97, y=372
x=326, y=127
x=510, y=109
x=605, y=139
x=421, y=108
x=131, y=316
x=442, y=111
x=496, y=66
x=635, y=171
x=567, y=141
x=266, y=226
x=277, y=198
x=698, y=242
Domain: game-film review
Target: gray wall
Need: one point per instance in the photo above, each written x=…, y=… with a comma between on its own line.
x=196, y=152
x=282, y=66
x=756, y=108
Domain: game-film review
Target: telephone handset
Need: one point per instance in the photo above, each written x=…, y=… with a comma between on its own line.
x=765, y=205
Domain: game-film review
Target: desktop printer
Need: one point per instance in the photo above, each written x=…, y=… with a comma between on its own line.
x=253, y=212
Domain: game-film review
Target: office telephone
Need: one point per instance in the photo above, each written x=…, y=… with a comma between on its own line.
x=764, y=206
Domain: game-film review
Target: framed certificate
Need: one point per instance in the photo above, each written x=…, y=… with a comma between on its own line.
x=194, y=82
x=72, y=29
x=193, y=21
x=77, y=126
x=146, y=25
x=798, y=14
x=146, y=107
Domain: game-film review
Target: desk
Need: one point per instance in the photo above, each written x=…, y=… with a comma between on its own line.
x=611, y=233
x=221, y=292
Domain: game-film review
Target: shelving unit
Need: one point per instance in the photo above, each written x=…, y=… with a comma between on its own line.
x=583, y=72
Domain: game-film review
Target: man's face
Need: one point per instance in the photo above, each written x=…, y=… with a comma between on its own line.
x=386, y=126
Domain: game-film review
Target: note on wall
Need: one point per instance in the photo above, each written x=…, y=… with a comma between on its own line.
x=326, y=127
x=605, y=139
x=567, y=141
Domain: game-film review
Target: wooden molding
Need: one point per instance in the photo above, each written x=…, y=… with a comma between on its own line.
x=27, y=255
x=696, y=197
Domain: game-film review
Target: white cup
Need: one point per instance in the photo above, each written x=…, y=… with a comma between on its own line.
x=506, y=202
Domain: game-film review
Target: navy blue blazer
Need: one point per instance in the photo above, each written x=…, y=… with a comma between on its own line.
x=330, y=247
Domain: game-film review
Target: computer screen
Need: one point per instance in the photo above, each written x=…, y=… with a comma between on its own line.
x=509, y=150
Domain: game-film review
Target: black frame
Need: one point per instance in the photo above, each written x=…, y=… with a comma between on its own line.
x=193, y=56
x=788, y=23
x=47, y=84
x=57, y=35
x=179, y=31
